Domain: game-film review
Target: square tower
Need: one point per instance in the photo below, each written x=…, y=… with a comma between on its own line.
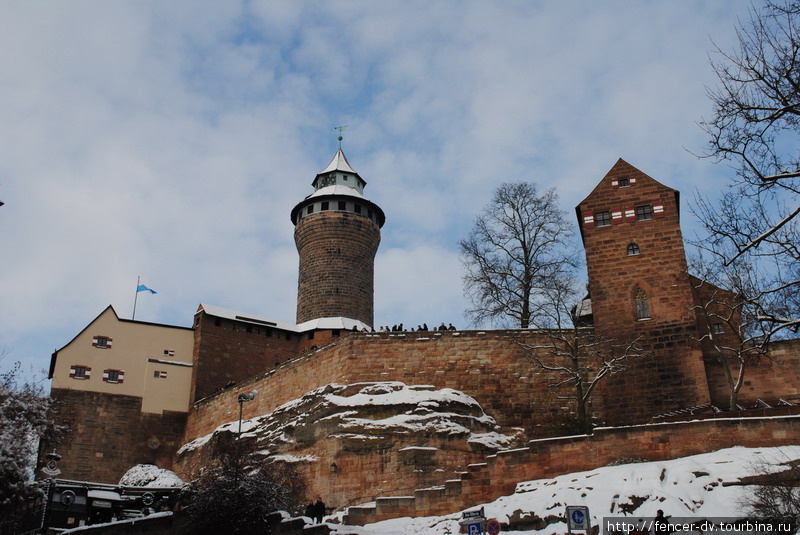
x=640, y=288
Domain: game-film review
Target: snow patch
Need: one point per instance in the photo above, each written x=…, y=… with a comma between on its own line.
x=150, y=475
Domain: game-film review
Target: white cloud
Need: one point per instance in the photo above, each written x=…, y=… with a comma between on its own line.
x=172, y=140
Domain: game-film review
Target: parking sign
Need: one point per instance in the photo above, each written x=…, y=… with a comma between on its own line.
x=577, y=518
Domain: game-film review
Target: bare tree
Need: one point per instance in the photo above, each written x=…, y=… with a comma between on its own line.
x=731, y=328
x=774, y=495
x=755, y=126
x=578, y=357
x=517, y=247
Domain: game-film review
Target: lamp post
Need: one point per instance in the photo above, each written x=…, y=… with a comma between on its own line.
x=244, y=398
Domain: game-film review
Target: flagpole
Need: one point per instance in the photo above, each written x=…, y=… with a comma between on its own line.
x=135, y=297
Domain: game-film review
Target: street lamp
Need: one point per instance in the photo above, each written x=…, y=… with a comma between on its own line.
x=244, y=398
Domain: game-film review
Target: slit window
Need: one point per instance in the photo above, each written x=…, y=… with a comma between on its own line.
x=642, y=304
x=310, y=209
x=342, y=205
x=324, y=205
x=357, y=208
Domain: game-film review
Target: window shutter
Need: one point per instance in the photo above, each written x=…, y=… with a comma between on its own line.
x=108, y=343
x=658, y=210
x=632, y=181
x=614, y=183
x=163, y=375
x=616, y=216
x=588, y=219
x=121, y=376
x=94, y=342
x=88, y=373
x=630, y=214
x=105, y=376
x=72, y=371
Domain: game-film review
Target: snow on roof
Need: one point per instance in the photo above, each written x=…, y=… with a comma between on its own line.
x=339, y=163
x=310, y=325
x=584, y=307
x=337, y=189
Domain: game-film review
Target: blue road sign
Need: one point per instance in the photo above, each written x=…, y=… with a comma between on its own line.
x=474, y=528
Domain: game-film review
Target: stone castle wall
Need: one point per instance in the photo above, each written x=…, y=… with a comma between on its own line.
x=490, y=366
x=771, y=379
x=499, y=474
x=230, y=351
x=109, y=433
x=337, y=259
x=657, y=267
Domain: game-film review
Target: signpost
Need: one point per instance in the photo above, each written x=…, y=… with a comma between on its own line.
x=578, y=519
x=474, y=521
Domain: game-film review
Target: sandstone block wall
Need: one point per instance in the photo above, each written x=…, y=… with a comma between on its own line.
x=108, y=434
x=490, y=366
x=337, y=263
x=771, y=379
x=676, y=372
x=231, y=351
x=545, y=458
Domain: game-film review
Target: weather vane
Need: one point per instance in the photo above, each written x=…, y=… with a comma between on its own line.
x=340, y=129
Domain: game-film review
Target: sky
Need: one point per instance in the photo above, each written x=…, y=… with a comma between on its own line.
x=170, y=140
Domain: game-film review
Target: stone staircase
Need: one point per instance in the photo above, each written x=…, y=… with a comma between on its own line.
x=544, y=458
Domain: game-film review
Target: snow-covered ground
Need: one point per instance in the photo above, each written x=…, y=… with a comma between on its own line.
x=698, y=486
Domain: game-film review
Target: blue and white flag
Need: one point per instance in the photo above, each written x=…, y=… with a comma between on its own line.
x=143, y=288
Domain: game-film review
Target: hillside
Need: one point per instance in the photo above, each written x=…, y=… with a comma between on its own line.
x=700, y=486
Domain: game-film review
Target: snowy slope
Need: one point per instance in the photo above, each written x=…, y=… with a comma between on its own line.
x=696, y=486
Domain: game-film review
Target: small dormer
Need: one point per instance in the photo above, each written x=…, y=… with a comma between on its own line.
x=339, y=173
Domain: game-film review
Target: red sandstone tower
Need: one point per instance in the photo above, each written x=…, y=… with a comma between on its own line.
x=639, y=286
x=337, y=232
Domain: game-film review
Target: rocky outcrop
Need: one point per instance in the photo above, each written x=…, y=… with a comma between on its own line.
x=418, y=434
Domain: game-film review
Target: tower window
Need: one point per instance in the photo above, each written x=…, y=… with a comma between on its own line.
x=310, y=209
x=624, y=182
x=717, y=328
x=644, y=213
x=642, y=305
x=342, y=205
x=345, y=177
x=633, y=249
x=602, y=219
x=324, y=205
x=369, y=214
x=311, y=335
x=357, y=208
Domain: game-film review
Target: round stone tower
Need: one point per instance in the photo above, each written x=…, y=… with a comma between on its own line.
x=337, y=232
